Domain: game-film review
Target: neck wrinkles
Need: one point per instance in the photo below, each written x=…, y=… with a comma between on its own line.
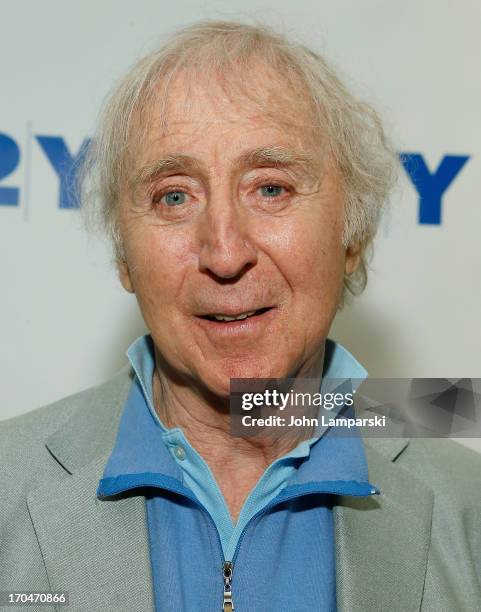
x=205, y=419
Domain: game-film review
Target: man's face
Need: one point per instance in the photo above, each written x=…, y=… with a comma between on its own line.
x=232, y=211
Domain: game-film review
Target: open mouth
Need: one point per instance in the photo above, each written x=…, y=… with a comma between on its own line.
x=224, y=318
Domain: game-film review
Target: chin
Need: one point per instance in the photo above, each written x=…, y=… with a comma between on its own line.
x=218, y=378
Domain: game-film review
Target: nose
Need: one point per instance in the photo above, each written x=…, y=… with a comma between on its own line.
x=226, y=249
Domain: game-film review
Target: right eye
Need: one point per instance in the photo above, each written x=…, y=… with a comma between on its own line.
x=173, y=198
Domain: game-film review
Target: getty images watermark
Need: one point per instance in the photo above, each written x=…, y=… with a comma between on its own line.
x=373, y=407
x=273, y=398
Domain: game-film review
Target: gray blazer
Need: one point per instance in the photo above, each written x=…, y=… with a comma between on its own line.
x=417, y=546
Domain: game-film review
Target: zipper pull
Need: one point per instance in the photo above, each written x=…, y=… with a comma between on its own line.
x=228, y=603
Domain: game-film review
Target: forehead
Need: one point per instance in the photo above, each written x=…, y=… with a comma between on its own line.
x=241, y=109
x=243, y=93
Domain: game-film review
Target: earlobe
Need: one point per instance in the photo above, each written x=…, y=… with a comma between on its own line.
x=353, y=258
x=124, y=276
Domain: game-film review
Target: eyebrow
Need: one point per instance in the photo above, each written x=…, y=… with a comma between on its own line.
x=176, y=164
x=276, y=156
x=280, y=156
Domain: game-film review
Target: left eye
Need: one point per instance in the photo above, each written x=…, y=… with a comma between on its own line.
x=271, y=191
x=173, y=198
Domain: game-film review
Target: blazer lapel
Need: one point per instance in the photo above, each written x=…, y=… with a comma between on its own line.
x=100, y=546
x=382, y=541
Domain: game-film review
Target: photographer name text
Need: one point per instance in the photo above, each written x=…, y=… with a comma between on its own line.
x=304, y=421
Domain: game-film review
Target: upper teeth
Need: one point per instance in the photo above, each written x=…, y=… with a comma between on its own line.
x=244, y=315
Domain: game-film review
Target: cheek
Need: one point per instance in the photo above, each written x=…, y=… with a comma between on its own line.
x=308, y=252
x=158, y=261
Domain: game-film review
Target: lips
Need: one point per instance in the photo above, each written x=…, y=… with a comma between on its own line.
x=240, y=327
x=229, y=317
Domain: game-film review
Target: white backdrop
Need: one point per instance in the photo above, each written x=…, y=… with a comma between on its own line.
x=65, y=321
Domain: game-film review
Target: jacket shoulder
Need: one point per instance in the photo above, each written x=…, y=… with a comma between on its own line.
x=42, y=421
x=446, y=466
x=22, y=438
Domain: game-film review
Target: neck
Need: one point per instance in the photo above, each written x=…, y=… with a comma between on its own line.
x=236, y=463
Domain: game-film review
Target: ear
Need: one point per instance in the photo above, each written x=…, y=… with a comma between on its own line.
x=353, y=258
x=124, y=276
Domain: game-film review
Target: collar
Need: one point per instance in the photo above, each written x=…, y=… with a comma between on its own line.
x=338, y=459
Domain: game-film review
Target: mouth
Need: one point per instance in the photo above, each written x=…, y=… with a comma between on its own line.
x=243, y=326
x=233, y=318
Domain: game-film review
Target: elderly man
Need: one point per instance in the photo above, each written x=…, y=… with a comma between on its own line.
x=241, y=185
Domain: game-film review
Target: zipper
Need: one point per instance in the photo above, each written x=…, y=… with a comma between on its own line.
x=228, y=567
x=228, y=605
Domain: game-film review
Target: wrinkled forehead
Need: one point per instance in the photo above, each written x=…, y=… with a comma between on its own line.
x=244, y=99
